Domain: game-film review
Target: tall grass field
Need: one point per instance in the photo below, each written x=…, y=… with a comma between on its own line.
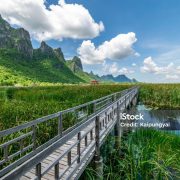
x=20, y=105
x=160, y=96
x=145, y=154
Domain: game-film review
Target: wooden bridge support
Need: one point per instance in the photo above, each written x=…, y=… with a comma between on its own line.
x=134, y=101
x=98, y=160
x=98, y=166
x=117, y=129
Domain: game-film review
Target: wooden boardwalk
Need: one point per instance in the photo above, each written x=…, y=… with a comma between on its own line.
x=66, y=155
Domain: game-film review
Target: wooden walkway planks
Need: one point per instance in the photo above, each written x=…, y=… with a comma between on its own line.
x=63, y=167
x=63, y=164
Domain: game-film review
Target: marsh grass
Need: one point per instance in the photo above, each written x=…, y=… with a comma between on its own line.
x=23, y=104
x=160, y=96
x=145, y=154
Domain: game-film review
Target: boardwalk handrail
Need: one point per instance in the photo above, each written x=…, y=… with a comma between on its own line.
x=39, y=153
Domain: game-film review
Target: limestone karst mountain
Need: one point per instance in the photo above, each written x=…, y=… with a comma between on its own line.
x=21, y=64
x=18, y=39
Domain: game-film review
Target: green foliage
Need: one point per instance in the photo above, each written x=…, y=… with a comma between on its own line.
x=19, y=105
x=145, y=154
x=160, y=96
x=15, y=70
x=78, y=72
x=83, y=75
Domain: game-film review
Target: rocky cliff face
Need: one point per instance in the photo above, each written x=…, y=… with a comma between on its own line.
x=75, y=64
x=46, y=50
x=23, y=42
x=5, y=34
x=18, y=39
x=59, y=54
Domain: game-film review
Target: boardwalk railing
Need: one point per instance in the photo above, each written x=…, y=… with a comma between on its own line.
x=68, y=150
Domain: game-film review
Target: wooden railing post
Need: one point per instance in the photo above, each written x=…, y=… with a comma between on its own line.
x=103, y=122
x=132, y=98
x=98, y=161
x=60, y=125
x=135, y=100
x=56, y=170
x=34, y=136
x=113, y=112
x=106, y=119
x=86, y=141
x=125, y=101
x=21, y=145
x=114, y=97
x=69, y=158
x=38, y=171
x=91, y=134
x=79, y=147
x=109, y=118
x=117, y=129
x=94, y=107
x=97, y=137
x=6, y=152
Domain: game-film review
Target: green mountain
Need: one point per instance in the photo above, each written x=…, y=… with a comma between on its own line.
x=20, y=64
x=76, y=67
x=119, y=79
x=14, y=69
x=18, y=39
x=75, y=64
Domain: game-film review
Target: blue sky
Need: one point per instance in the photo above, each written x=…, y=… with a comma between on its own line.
x=154, y=54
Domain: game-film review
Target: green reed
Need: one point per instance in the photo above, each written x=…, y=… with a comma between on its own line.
x=144, y=154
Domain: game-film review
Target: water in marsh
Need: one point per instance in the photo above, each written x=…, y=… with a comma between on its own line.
x=165, y=120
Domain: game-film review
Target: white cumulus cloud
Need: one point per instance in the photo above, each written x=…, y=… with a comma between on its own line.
x=54, y=22
x=125, y=71
x=172, y=77
x=115, y=70
x=170, y=71
x=117, y=48
x=149, y=66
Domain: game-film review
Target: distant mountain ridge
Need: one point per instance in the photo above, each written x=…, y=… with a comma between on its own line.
x=120, y=78
x=21, y=64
